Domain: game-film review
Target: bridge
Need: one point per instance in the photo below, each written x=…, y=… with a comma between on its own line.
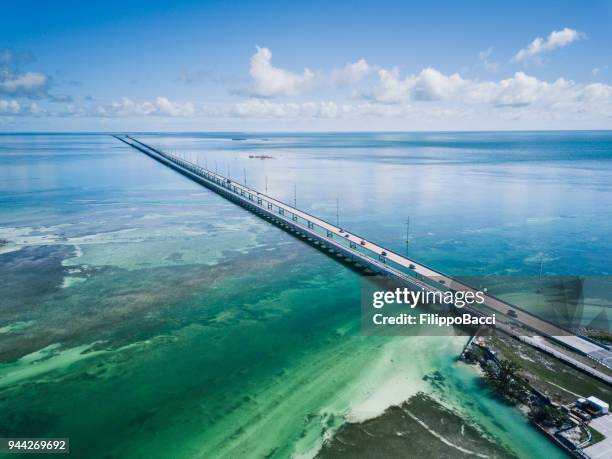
x=376, y=258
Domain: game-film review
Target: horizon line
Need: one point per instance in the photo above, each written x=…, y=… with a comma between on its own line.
x=397, y=131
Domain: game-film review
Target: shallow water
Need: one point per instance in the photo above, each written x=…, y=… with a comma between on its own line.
x=139, y=305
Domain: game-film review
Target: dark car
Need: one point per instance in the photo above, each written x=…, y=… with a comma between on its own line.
x=363, y=242
x=512, y=313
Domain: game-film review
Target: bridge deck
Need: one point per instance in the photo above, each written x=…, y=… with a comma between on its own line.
x=373, y=254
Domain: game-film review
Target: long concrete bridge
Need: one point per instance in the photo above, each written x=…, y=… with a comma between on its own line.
x=375, y=257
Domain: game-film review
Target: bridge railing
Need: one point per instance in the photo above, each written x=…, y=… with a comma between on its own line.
x=285, y=211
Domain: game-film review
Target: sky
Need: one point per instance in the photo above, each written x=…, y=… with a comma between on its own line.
x=305, y=65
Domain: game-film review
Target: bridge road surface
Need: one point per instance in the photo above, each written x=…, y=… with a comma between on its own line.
x=419, y=270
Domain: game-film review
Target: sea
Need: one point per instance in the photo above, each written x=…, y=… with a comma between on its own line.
x=142, y=315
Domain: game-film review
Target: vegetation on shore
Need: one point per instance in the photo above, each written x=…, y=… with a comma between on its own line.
x=505, y=378
x=561, y=383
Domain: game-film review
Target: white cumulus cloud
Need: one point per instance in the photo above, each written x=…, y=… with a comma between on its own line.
x=167, y=107
x=26, y=84
x=350, y=73
x=520, y=90
x=13, y=107
x=9, y=107
x=429, y=84
x=556, y=39
x=162, y=106
x=270, y=81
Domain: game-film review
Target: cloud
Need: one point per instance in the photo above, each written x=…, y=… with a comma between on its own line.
x=520, y=90
x=35, y=109
x=8, y=56
x=14, y=82
x=126, y=107
x=350, y=73
x=485, y=54
x=270, y=81
x=484, y=57
x=266, y=109
x=21, y=84
x=429, y=84
x=61, y=98
x=562, y=97
x=162, y=107
x=595, y=93
x=12, y=107
x=169, y=108
x=556, y=39
x=262, y=108
x=26, y=84
x=9, y=107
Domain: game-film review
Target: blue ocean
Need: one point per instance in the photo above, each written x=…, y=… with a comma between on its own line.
x=126, y=285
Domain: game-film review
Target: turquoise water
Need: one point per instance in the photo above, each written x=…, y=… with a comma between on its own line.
x=479, y=203
x=137, y=304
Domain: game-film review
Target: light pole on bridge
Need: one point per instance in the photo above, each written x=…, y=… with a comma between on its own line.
x=407, y=233
x=338, y=212
x=408, y=230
